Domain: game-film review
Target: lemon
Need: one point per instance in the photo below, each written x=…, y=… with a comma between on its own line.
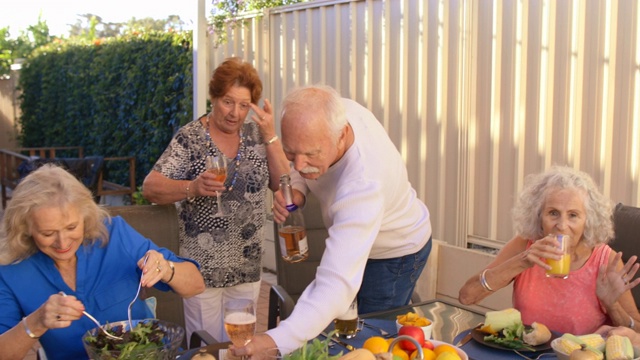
x=448, y=356
x=376, y=344
x=442, y=348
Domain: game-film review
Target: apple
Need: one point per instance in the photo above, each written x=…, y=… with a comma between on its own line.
x=428, y=344
x=414, y=332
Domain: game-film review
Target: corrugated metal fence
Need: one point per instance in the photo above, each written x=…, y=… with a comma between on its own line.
x=476, y=94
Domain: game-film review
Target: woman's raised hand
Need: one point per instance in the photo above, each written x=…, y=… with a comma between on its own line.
x=614, y=280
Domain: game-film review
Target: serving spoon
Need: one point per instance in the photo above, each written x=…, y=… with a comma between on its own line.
x=106, y=333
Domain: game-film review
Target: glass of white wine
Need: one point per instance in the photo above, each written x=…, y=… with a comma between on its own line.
x=217, y=165
x=239, y=320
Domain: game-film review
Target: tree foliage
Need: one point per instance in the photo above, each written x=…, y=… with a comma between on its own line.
x=22, y=46
x=228, y=14
x=88, y=27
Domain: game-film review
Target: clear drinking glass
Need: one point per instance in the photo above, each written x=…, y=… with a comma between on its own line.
x=348, y=324
x=217, y=165
x=239, y=320
x=560, y=268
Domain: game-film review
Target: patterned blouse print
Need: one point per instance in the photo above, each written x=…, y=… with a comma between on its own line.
x=229, y=249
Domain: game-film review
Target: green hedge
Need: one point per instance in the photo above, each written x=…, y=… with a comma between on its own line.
x=123, y=96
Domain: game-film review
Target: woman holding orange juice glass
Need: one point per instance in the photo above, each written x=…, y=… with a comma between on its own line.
x=563, y=272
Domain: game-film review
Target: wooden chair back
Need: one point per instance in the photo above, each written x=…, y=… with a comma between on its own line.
x=160, y=224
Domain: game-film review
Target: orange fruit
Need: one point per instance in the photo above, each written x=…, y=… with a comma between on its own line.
x=376, y=344
x=389, y=341
x=428, y=354
x=397, y=351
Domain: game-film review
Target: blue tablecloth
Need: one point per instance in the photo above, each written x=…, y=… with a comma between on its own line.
x=477, y=351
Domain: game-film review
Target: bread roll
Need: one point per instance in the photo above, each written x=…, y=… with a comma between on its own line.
x=539, y=335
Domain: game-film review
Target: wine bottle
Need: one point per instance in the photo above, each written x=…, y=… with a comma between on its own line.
x=293, y=236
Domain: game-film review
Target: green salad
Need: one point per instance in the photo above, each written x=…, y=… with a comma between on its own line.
x=143, y=337
x=510, y=337
x=313, y=350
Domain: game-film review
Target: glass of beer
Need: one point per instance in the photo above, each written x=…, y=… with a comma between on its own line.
x=348, y=324
x=240, y=320
x=560, y=268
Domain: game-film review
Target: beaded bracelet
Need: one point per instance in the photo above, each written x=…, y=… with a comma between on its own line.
x=189, y=199
x=483, y=281
x=26, y=328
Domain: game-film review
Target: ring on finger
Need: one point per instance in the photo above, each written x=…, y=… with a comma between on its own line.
x=58, y=317
x=158, y=269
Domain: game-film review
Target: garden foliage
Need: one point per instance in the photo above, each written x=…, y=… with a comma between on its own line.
x=120, y=96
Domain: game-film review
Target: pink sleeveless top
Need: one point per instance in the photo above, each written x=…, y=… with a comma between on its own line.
x=564, y=305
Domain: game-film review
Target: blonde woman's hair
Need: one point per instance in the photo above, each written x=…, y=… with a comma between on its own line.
x=48, y=186
x=527, y=220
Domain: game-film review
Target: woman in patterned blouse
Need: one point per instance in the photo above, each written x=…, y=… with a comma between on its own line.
x=228, y=248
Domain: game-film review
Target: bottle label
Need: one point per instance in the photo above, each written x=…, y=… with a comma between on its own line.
x=304, y=245
x=293, y=243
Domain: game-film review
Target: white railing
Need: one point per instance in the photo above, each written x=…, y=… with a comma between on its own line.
x=476, y=94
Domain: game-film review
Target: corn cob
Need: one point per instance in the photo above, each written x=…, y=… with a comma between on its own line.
x=618, y=348
x=569, y=343
x=595, y=341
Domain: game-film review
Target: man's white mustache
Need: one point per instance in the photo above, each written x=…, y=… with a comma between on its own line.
x=310, y=170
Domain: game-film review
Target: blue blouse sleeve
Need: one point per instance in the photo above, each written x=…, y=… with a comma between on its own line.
x=124, y=235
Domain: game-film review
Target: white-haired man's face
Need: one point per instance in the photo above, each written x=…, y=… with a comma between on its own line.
x=308, y=144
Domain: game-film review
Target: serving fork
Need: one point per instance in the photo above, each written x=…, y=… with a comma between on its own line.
x=137, y=293
x=535, y=358
x=106, y=333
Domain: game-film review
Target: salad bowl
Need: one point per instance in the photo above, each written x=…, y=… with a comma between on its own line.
x=149, y=339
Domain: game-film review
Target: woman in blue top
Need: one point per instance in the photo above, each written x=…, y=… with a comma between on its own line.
x=53, y=239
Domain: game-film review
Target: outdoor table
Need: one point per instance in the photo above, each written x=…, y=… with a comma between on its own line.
x=451, y=322
x=212, y=349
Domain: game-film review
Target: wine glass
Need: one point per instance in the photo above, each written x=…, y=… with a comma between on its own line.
x=239, y=321
x=217, y=165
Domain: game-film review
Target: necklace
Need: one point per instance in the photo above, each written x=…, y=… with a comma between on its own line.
x=236, y=160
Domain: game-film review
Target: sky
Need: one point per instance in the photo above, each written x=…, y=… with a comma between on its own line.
x=19, y=14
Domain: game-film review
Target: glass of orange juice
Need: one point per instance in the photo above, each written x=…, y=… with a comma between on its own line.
x=560, y=268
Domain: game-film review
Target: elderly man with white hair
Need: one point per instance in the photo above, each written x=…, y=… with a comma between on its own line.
x=379, y=231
